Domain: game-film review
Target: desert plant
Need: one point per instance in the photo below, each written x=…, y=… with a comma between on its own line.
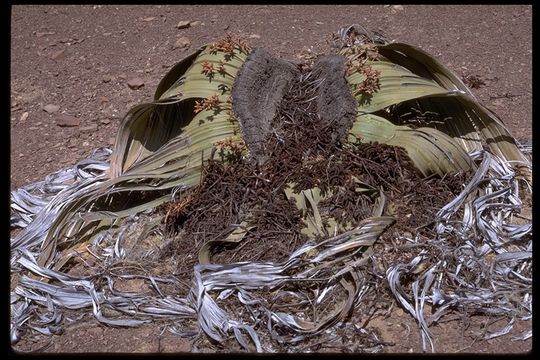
x=407, y=98
x=403, y=97
x=160, y=148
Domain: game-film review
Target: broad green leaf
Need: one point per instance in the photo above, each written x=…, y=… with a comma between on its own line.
x=430, y=150
x=160, y=146
x=411, y=80
x=423, y=64
x=397, y=84
x=175, y=75
x=195, y=83
x=472, y=125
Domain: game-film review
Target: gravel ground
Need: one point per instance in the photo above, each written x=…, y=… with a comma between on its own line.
x=74, y=74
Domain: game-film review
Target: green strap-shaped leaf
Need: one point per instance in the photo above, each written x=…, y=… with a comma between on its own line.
x=423, y=64
x=412, y=79
x=147, y=127
x=430, y=150
x=471, y=124
x=196, y=84
x=175, y=74
x=397, y=84
x=160, y=146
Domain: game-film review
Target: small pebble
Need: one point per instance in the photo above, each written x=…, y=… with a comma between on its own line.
x=58, y=55
x=183, y=24
x=51, y=108
x=181, y=43
x=135, y=83
x=64, y=120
